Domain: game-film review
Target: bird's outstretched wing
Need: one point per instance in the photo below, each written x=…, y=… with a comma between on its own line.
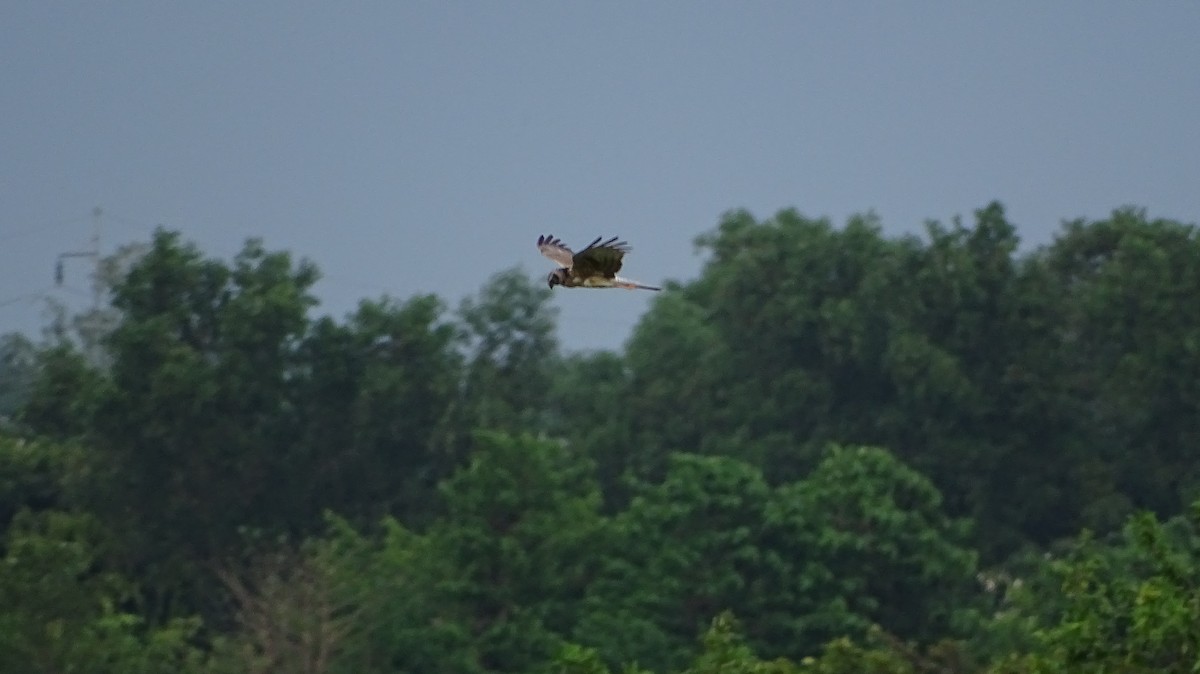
x=599, y=259
x=555, y=250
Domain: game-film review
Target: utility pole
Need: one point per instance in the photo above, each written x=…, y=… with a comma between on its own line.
x=96, y=290
x=94, y=253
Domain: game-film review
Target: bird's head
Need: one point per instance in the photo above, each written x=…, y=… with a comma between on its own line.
x=556, y=277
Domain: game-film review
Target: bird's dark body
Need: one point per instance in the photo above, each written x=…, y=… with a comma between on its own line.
x=563, y=277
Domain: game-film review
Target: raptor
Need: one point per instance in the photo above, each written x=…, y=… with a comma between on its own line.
x=595, y=266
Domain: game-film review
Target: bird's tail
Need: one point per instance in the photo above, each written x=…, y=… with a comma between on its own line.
x=633, y=285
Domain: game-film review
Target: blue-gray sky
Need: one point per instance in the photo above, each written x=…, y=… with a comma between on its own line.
x=421, y=146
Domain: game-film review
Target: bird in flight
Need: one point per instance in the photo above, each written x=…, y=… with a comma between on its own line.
x=595, y=266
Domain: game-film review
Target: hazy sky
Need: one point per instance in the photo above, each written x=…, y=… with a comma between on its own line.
x=411, y=147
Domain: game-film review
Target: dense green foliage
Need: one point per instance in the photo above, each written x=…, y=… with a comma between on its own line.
x=835, y=451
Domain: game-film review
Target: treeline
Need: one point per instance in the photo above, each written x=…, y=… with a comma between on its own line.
x=835, y=451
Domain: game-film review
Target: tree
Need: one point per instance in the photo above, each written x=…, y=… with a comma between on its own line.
x=862, y=541
x=672, y=400
x=18, y=358
x=684, y=550
x=375, y=397
x=723, y=650
x=521, y=526
x=200, y=343
x=494, y=584
x=60, y=610
x=512, y=352
x=1131, y=607
x=1129, y=346
x=958, y=333
x=64, y=395
x=1017, y=383
x=899, y=561
x=591, y=406
x=291, y=614
x=404, y=621
x=225, y=409
x=190, y=428
x=33, y=476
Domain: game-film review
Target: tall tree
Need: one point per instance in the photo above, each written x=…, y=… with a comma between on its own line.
x=898, y=560
x=1127, y=357
x=521, y=529
x=188, y=432
x=495, y=582
x=34, y=476
x=685, y=550
x=1130, y=605
x=375, y=396
x=592, y=403
x=64, y=394
x=1017, y=383
x=18, y=357
x=512, y=353
x=862, y=541
x=199, y=403
x=673, y=400
x=60, y=607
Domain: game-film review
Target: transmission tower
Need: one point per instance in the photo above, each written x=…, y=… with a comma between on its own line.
x=94, y=253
